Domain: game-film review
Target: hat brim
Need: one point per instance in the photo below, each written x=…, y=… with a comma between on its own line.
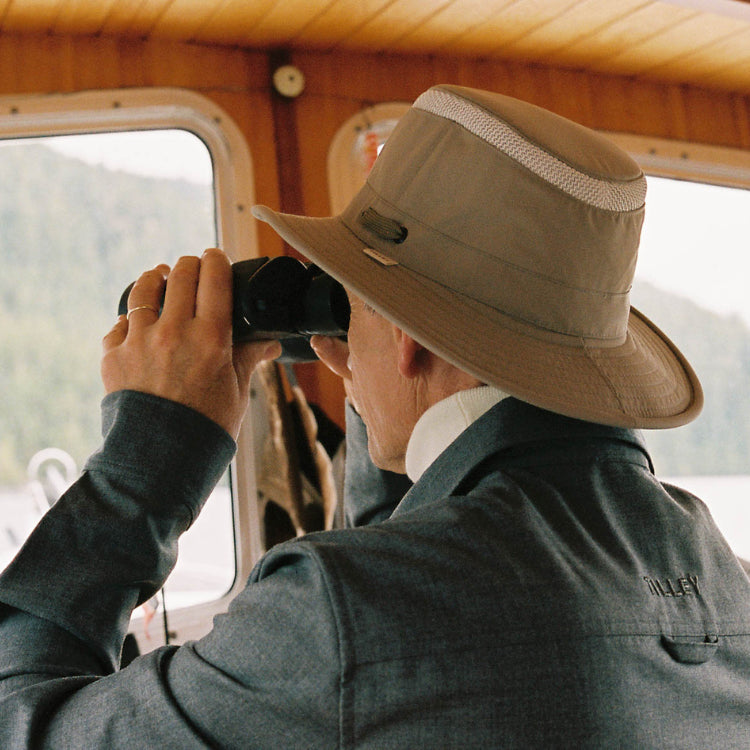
x=644, y=382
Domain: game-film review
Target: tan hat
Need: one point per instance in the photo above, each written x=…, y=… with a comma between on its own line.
x=504, y=239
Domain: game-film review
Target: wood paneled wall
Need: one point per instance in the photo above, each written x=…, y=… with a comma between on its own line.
x=289, y=139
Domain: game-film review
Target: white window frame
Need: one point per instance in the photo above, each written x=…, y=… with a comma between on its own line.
x=343, y=180
x=694, y=162
x=107, y=111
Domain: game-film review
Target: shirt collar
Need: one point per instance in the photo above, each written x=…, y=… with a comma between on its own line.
x=443, y=422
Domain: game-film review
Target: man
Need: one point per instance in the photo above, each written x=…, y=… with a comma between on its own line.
x=537, y=587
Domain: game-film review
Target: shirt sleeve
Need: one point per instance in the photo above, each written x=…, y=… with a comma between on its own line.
x=268, y=675
x=107, y=545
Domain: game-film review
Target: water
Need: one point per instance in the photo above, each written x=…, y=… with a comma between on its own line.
x=728, y=498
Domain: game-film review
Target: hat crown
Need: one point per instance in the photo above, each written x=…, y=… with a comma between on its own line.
x=504, y=239
x=514, y=207
x=613, y=181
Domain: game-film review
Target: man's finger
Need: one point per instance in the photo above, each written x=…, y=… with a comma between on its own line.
x=145, y=298
x=116, y=335
x=214, y=295
x=334, y=353
x=179, y=300
x=247, y=356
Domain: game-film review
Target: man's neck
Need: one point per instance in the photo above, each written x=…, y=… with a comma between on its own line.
x=443, y=422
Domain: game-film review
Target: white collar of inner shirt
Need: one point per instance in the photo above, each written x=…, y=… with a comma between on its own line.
x=443, y=422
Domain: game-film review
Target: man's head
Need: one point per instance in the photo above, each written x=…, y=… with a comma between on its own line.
x=392, y=380
x=503, y=238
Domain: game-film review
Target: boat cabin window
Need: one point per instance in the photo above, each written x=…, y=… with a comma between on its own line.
x=82, y=215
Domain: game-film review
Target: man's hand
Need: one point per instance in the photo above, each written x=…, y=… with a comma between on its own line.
x=186, y=354
x=334, y=353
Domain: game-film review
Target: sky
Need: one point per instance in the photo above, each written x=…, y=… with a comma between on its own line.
x=696, y=241
x=156, y=153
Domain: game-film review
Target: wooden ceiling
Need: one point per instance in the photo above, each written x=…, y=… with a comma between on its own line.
x=700, y=42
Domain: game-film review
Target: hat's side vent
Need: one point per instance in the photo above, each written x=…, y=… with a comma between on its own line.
x=385, y=228
x=626, y=195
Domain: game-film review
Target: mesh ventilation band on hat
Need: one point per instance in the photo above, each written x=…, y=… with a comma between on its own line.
x=600, y=193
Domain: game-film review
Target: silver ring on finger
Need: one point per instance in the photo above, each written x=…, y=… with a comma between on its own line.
x=142, y=307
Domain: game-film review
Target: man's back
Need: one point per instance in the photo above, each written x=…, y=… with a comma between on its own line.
x=557, y=596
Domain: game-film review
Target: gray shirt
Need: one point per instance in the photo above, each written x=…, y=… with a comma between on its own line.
x=537, y=587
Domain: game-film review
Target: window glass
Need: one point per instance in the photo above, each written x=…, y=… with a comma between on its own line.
x=692, y=275
x=80, y=218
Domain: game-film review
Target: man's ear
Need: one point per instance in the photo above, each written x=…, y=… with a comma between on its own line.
x=410, y=354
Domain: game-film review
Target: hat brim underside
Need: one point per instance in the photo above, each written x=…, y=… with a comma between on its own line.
x=644, y=382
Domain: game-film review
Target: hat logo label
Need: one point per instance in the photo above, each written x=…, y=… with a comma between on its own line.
x=376, y=255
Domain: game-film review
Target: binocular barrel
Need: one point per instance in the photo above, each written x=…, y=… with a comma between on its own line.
x=285, y=299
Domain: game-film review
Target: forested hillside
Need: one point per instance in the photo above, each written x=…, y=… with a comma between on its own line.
x=718, y=347
x=72, y=236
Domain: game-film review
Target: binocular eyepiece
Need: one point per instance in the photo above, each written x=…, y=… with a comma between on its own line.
x=285, y=299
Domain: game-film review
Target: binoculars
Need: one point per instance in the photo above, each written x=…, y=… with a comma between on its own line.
x=283, y=298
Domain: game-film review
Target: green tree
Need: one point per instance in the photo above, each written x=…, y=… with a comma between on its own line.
x=72, y=237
